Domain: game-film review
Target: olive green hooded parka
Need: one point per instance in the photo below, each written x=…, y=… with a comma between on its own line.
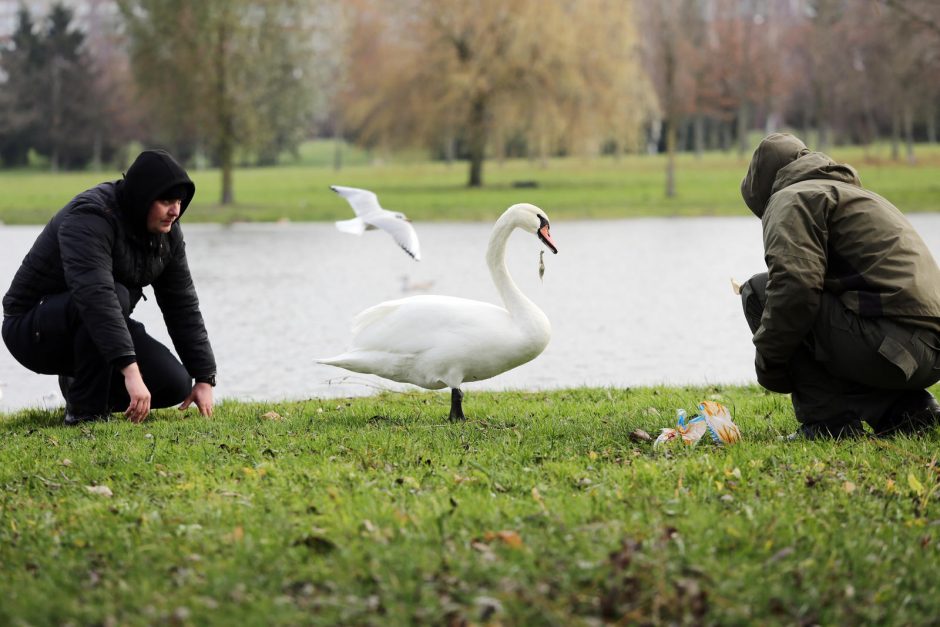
x=824, y=232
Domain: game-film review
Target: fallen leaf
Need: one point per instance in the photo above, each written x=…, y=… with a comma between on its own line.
x=915, y=484
x=849, y=487
x=639, y=435
x=508, y=537
x=272, y=415
x=100, y=490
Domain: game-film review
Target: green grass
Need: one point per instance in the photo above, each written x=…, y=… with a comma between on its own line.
x=567, y=188
x=538, y=510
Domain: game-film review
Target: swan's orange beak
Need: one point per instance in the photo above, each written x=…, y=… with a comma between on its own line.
x=547, y=238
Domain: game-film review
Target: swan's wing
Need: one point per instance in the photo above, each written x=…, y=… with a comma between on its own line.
x=401, y=230
x=355, y=226
x=362, y=201
x=415, y=324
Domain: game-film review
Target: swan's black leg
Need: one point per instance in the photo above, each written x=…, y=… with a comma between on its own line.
x=456, y=406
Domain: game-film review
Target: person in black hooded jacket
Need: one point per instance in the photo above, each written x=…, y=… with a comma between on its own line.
x=67, y=311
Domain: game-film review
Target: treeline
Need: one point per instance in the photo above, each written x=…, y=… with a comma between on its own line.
x=243, y=81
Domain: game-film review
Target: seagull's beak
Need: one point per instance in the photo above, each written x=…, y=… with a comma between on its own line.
x=547, y=238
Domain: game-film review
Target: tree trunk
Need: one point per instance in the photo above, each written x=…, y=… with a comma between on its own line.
x=226, y=142
x=743, y=125
x=338, y=146
x=931, y=126
x=671, y=159
x=909, y=133
x=895, y=135
x=477, y=141
x=228, y=195
x=699, y=135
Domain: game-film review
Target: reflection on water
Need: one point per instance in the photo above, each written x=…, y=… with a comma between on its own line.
x=632, y=302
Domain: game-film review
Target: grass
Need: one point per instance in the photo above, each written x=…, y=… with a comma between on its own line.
x=566, y=188
x=541, y=509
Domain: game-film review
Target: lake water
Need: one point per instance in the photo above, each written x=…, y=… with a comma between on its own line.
x=632, y=302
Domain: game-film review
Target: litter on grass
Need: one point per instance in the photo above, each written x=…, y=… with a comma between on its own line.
x=713, y=419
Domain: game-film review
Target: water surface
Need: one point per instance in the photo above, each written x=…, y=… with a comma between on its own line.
x=631, y=302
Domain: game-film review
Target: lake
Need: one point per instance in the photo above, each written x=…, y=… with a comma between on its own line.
x=632, y=302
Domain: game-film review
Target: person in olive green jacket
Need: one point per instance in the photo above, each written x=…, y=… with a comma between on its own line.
x=847, y=317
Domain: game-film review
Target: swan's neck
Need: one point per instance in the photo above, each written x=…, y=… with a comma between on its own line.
x=515, y=301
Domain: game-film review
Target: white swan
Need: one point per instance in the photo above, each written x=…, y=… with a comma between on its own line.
x=370, y=215
x=442, y=341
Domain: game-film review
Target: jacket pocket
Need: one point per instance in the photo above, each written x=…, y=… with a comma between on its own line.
x=897, y=354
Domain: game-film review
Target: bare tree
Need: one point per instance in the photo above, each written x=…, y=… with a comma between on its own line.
x=426, y=71
x=229, y=76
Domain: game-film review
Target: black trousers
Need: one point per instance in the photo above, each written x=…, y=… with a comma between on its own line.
x=851, y=367
x=52, y=339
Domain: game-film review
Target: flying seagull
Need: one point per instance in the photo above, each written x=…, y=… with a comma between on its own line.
x=370, y=215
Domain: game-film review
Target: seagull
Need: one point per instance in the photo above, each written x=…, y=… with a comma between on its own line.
x=370, y=215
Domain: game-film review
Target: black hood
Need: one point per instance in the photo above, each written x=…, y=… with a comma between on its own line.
x=152, y=174
x=775, y=152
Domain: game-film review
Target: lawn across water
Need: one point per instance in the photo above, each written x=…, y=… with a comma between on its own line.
x=542, y=508
x=567, y=188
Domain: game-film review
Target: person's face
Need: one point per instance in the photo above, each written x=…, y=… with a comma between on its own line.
x=162, y=215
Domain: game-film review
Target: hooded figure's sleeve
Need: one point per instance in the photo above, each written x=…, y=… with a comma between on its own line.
x=85, y=242
x=795, y=237
x=176, y=296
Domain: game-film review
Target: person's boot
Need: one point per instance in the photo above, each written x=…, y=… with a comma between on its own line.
x=845, y=427
x=914, y=412
x=73, y=418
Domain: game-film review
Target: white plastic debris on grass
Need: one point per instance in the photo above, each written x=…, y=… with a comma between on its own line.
x=713, y=418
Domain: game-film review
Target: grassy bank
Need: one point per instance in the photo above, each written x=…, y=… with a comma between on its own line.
x=566, y=188
x=540, y=509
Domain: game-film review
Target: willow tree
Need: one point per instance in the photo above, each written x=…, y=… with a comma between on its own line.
x=225, y=76
x=426, y=71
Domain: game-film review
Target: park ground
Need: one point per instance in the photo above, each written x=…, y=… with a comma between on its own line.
x=543, y=508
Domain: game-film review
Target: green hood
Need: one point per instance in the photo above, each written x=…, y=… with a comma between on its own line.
x=774, y=159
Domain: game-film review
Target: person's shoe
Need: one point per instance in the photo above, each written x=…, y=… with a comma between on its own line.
x=915, y=412
x=850, y=430
x=73, y=418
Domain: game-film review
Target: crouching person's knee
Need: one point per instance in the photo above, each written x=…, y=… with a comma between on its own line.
x=174, y=386
x=753, y=299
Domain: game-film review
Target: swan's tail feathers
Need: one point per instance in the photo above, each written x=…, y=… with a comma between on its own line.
x=381, y=363
x=355, y=226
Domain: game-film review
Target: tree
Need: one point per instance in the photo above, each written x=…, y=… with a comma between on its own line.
x=68, y=99
x=225, y=76
x=426, y=72
x=51, y=99
x=19, y=115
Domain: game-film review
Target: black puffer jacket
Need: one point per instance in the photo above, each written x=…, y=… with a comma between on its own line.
x=100, y=238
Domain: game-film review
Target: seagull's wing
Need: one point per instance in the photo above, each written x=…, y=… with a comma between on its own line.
x=362, y=201
x=401, y=230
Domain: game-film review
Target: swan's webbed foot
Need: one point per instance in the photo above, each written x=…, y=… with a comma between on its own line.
x=456, y=405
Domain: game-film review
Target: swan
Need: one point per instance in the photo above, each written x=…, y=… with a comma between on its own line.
x=442, y=341
x=370, y=215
